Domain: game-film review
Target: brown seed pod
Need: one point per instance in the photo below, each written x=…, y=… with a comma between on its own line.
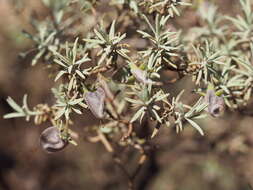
x=50, y=140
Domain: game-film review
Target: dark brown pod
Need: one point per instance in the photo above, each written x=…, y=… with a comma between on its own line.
x=50, y=140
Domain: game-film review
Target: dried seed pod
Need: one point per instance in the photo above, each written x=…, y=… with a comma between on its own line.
x=51, y=141
x=95, y=101
x=106, y=88
x=140, y=75
x=216, y=105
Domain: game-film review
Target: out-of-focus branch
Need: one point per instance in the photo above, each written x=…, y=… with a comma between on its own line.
x=118, y=161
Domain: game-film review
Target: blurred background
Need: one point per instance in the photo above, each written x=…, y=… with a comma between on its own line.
x=221, y=160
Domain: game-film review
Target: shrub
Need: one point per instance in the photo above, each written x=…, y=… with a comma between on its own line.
x=111, y=58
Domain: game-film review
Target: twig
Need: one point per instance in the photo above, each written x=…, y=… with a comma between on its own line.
x=119, y=163
x=105, y=142
x=140, y=164
x=128, y=133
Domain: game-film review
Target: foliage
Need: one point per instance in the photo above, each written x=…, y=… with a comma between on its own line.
x=122, y=84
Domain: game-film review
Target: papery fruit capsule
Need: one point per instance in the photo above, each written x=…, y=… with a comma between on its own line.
x=140, y=75
x=104, y=85
x=95, y=101
x=216, y=105
x=51, y=141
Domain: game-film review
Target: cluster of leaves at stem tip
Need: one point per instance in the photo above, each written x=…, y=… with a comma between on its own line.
x=123, y=84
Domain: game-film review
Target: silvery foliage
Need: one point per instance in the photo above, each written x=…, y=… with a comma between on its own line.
x=122, y=85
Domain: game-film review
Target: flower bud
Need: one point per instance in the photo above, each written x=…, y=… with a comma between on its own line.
x=50, y=140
